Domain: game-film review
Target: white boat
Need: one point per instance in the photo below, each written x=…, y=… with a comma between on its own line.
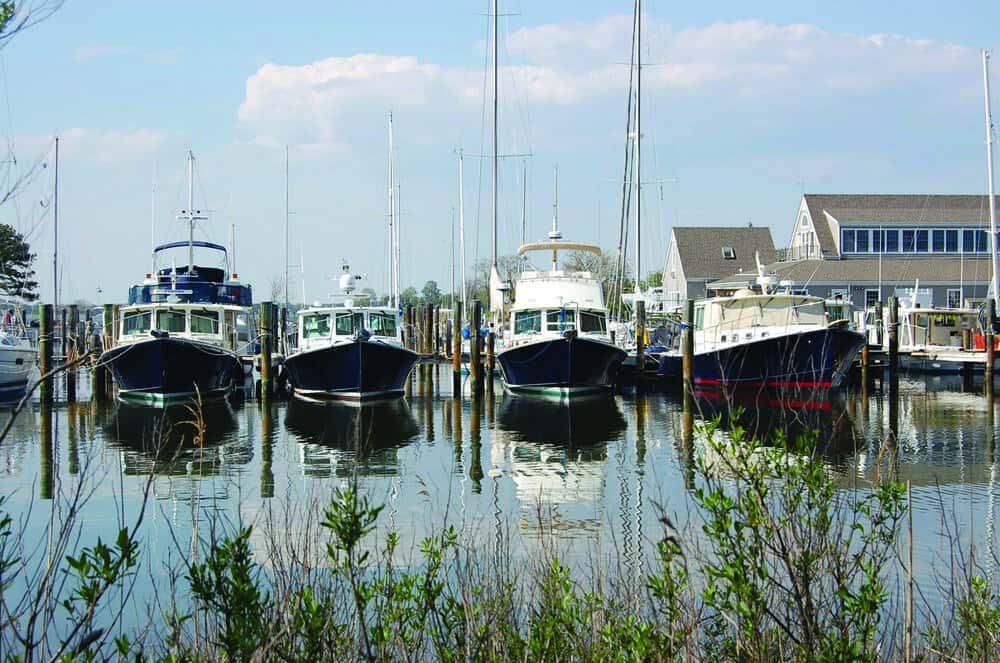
x=17, y=354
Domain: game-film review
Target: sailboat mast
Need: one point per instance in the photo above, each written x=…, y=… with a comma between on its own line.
x=555, y=234
x=232, y=250
x=152, y=225
x=524, y=201
x=286, y=227
x=989, y=177
x=55, y=232
x=392, y=223
x=190, y=212
x=496, y=114
x=638, y=142
x=396, y=266
x=461, y=233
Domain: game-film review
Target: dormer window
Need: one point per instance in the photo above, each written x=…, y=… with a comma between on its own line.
x=728, y=253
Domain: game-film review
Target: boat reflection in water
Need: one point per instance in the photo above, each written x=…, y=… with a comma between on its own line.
x=163, y=441
x=339, y=438
x=555, y=452
x=767, y=414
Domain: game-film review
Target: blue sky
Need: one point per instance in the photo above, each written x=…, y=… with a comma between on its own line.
x=745, y=104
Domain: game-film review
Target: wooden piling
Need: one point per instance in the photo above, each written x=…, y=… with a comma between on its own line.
x=283, y=332
x=428, y=329
x=491, y=340
x=991, y=353
x=456, y=351
x=436, y=330
x=864, y=365
x=101, y=386
x=640, y=337
x=74, y=351
x=45, y=342
x=408, y=328
x=687, y=366
x=62, y=334
x=266, y=346
x=880, y=325
x=475, y=368
x=893, y=367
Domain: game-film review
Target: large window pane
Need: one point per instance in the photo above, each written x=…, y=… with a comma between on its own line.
x=937, y=241
x=908, y=241
x=878, y=241
x=170, y=320
x=968, y=241
x=922, y=241
x=892, y=241
x=316, y=325
x=951, y=241
x=345, y=324
x=382, y=324
x=561, y=319
x=527, y=321
x=861, y=241
x=592, y=322
x=847, y=243
x=204, y=322
x=982, y=241
x=137, y=322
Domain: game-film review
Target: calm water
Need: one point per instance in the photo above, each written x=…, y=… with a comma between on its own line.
x=592, y=476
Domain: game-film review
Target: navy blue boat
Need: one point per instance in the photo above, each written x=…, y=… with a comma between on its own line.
x=559, y=343
x=349, y=352
x=184, y=328
x=774, y=340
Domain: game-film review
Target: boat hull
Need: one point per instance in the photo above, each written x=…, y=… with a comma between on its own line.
x=356, y=370
x=561, y=366
x=814, y=359
x=169, y=368
x=16, y=364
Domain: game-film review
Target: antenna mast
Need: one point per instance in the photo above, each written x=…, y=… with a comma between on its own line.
x=286, y=227
x=638, y=142
x=392, y=223
x=191, y=215
x=989, y=175
x=55, y=240
x=496, y=115
x=461, y=234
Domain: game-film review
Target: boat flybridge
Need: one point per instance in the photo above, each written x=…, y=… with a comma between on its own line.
x=349, y=349
x=558, y=341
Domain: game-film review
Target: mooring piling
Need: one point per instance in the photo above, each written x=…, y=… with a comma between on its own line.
x=266, y=341
x=640, y=338
x=491, y=339
x=456, y=351
x=991, y=353
x=45, y=341
x=687, y=365
x=475, y=367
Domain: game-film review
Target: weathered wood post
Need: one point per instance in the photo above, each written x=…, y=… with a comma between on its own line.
x=991, y=353
x=893, y=366
x=409, y=341
x=88, y=334
x=491, y=340
x=687, y=365
x=879, y=325
x=62, y=334
x=266, y=345
x=456, y=351
x=46, y=479
x=45, y=340
x=475, y=368
x=283, y=331
x=428, y=329
x=436, y=330
x=640, y=337
x=101, y=376
x=74, y=347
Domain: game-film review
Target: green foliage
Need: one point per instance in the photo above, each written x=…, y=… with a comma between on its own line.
x=409, y=296
x=7, y=11
x=227, y=587
x=431, y=294
x=16, y=258
x=652, y=280
x=979, y=621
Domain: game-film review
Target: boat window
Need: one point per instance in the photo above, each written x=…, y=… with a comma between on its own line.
x=137, y=322
x=171, y=320
x=347, y=323
x=204, y=322
x=526, y=322
x=699, y=317
x=593, y=322
x=382, y=324
x=316, y=325
x=561, y=319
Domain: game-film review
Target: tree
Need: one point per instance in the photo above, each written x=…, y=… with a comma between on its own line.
x=654, y=280
x=431, y=294
x=409, y=296
x=16, y=258
x=509, y=268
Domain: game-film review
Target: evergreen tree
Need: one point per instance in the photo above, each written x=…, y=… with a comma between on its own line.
x=16, y=258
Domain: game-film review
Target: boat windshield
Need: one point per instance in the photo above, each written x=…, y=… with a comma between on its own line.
x=171, y=320
x=316, y=325
x=137, y=322
x=204, y=321
x=382, y=324
x=347, y=323
x=561, y=319
x=593, y=322
x=527, y=322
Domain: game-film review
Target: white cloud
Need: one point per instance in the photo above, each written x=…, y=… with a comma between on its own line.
x=580, y=63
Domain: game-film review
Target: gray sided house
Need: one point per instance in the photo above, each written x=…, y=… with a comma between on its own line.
x=698, y=256
x=868, y=248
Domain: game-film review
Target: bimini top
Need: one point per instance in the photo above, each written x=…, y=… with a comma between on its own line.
x=557, y=245
x=182, y=284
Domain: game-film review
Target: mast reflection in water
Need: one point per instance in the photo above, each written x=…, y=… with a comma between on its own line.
x=338, y=439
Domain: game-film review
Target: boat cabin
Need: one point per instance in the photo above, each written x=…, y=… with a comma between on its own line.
x=223, y=325
x=747, y=315
x=922, y=327
x=321, y=326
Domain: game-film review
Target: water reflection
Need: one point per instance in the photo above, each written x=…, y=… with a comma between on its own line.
x=339, y=439
x=556, y=453
x=166, y=441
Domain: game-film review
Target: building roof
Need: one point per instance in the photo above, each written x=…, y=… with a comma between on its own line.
x=892, y=209
x=866, y=270
x=700, y=250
